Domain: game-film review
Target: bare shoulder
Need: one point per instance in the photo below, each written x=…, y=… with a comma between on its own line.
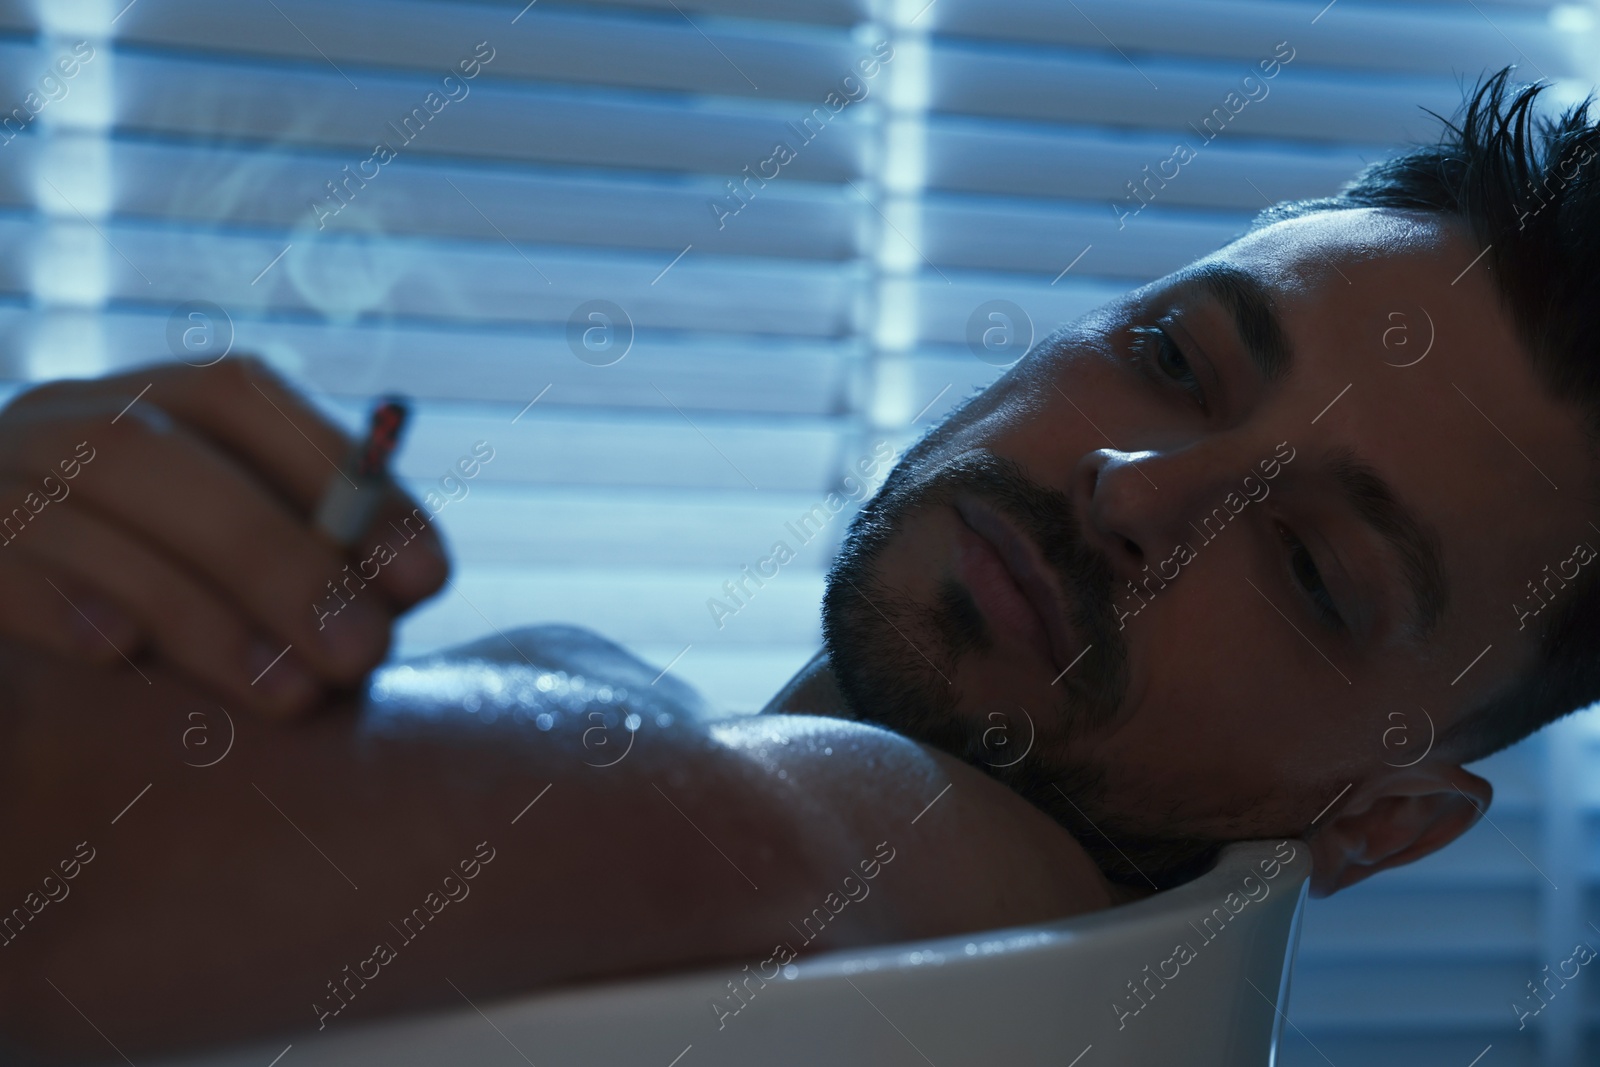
x=969, y=853
x=464, y=817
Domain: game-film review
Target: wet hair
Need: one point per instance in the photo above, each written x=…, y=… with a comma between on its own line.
x=1527, y=184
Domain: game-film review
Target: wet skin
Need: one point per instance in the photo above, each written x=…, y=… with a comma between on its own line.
x=223, y=902
x=208, y=915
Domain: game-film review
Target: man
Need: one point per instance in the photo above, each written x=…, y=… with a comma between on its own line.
x=1173, y=580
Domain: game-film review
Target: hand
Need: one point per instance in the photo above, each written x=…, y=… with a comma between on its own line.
x=179, y=529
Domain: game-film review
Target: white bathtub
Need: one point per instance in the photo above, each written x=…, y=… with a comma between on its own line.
x=1057, y=994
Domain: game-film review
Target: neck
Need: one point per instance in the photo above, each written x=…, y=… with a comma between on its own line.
x=812, y=691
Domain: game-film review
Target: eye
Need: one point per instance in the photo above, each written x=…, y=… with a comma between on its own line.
x=1161, y=354
x=1304, y=571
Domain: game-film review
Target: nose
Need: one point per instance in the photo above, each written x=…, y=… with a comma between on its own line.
x=1114, y=517
x=1135, y=507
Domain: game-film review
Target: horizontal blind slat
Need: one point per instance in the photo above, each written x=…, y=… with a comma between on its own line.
x=1398, y=38
x=273, y=188
x=487, y=282
x=206, y=99
x=1104, y=89
x=663, y=51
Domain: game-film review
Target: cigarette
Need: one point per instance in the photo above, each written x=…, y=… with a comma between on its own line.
x=351, y=501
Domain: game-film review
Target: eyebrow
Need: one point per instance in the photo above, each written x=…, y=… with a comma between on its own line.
x=1374, y=502
x=1251, y=307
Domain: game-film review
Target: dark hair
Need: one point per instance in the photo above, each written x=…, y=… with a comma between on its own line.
x=1528, y=186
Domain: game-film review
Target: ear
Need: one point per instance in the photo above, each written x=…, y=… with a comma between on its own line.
x=1393, y=820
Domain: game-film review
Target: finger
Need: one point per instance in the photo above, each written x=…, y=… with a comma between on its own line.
x=278, y=430
x=242, y=405
x=182, y=620
x=403, y=551
x=52, y=612
x=206, y=515
x=249, y=411
x=239, y=404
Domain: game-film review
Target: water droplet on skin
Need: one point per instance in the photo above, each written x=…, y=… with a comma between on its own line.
x=491, y=690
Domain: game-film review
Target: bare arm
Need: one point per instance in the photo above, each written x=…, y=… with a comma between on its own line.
x=229, y=900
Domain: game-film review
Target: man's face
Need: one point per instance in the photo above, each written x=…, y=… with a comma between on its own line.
x=1200, y=553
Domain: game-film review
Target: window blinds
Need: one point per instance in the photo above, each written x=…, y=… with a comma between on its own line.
x=685, y=264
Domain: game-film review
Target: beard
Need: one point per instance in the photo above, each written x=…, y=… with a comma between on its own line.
x=894, y=658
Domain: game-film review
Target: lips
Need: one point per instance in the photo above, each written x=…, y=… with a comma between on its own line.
x=1009, y=578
